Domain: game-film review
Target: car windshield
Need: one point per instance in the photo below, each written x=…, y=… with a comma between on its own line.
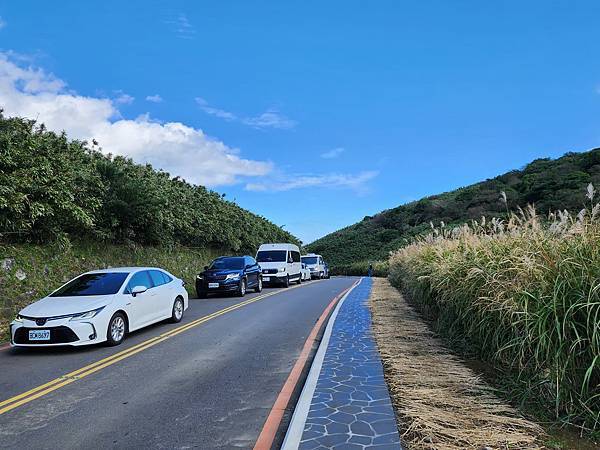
x=227, y=264
x=272, y=256
x=309, y=259
x=92, y=284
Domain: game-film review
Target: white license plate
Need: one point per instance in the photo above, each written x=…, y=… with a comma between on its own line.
x=266, y=278
x=213, y=285
x=39, y=335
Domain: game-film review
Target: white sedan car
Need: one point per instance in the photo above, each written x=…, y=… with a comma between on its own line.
x=101, y=306
x=305, y=273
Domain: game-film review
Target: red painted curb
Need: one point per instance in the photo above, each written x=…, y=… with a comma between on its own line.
x=4, y=347
x=269, y=430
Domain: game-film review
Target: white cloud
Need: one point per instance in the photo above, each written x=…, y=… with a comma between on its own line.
x=182, y=27
x=357, y=183
x=2, y=23
x=220, y=113
x=333, y=153
x=123, y=99
x=175, y=147
x=154, y=98
x=271, y=118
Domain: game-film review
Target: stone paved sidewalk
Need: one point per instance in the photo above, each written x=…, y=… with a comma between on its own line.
x=351, y=406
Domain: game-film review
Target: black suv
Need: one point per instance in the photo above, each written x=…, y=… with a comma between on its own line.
x=229, y=274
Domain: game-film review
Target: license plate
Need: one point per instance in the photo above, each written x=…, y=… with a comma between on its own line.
x=39, y=335
x=213, y=285
x=266, y=278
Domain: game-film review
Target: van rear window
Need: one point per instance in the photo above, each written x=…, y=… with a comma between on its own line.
x=272, y=256
x=309, y=259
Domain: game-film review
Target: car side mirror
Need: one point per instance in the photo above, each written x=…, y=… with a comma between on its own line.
x=138, y=290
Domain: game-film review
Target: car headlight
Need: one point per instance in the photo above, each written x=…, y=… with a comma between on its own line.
x=19, y=318
x=232, y=276
x=282, y=269
x=87, y=315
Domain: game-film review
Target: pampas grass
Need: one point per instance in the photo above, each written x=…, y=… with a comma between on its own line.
x=524, y=293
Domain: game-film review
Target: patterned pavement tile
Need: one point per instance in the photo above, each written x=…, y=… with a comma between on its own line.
x=351, y=406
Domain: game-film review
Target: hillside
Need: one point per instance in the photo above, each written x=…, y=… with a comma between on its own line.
x=548, y=184
x=53, y=188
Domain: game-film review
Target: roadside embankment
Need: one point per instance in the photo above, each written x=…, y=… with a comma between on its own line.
x=28, y=272
x=440, y=403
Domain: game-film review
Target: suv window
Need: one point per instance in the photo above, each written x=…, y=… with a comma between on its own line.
x=250, y=261
x=139, y=279
x=158, y=277
x=295, y=256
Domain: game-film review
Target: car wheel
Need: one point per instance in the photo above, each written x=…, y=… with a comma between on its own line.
x=299, y=279
x=242, y=288
x=259, y=285
x=177, y=312
x=117, y=327
x=286, y=283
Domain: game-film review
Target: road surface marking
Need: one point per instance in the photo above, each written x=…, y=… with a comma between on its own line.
x=269, y=430
x=46, y=388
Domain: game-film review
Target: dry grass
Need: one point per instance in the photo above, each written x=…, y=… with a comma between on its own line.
x=441, y=404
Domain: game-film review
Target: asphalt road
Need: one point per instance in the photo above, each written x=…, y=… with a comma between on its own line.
x=210, y=386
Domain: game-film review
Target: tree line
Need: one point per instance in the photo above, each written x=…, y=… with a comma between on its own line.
x=53, y=187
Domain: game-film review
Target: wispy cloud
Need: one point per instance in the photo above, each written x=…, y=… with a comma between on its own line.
x=154, y=98
x=2, y=23
x=182, y=27
x=356, y=183
x=220, y=113
x=271, y=118
x=333, y=153
x=123, y=98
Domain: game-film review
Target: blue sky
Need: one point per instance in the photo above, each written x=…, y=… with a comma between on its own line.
x=313, y=114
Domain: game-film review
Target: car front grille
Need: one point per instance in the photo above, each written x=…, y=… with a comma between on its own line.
x=58, y=335
x=269, y=271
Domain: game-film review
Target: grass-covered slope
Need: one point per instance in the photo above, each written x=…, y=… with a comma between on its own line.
x=53, y=188
x=549, y=184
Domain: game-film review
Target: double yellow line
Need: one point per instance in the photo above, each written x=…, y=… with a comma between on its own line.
x=44, y=389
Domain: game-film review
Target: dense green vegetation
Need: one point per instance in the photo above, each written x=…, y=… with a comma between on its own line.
x=523, y=295
x=31, y=271
x=549, y=184
x=53, y=188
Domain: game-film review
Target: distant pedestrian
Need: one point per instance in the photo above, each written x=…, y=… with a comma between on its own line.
x=370, y=270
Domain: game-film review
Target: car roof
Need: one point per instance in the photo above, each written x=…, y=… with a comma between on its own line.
x=124, y=269
x=278, y=246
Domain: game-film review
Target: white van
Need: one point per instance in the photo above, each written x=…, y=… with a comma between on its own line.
x=279, y=263
x=316, y=265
